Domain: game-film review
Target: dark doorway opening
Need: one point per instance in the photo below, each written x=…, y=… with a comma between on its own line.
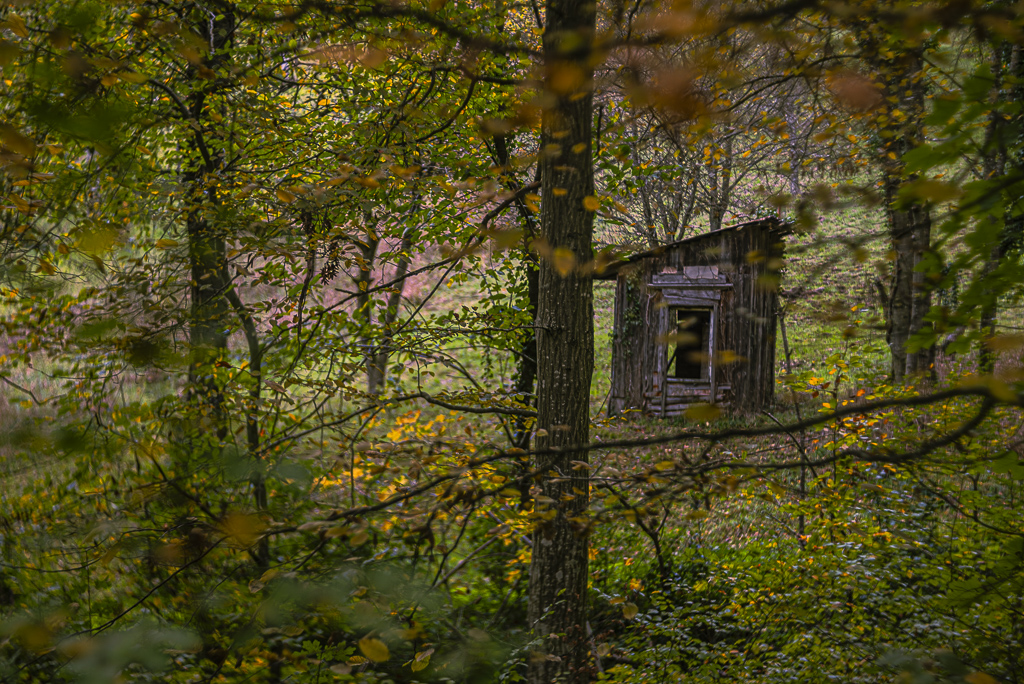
x=689, y=360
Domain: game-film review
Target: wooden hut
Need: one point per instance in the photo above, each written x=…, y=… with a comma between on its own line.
x=695, y=321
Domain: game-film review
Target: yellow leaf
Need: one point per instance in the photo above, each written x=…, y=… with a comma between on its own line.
x=1005, y=342
x=17, y=25
x=683, y=338
x=629, y=610
x=727, y=356
x=591, y=203
x=506, y=239
x=374, y=649
x=358, y=539
x=702, y=412
x=242, y=529
x=108, y=556
x=20, y=204
x=563, y=260
x=933, y=191
x=164, y=243
x=8, y=52
x=109, y=80
x=285, y=196
x=421, y=660
x=373, y=57
x=16, y=141
x=97, y=241
x=1000, y=390
x=414, y=632
x=134, y=77
x=979, y=678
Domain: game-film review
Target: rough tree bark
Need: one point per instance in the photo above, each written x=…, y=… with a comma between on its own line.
x=909, y=222
x=526, y=362
x=909, y=297
x=565, y=341
x=1007, y=70
x=364, y=302
x=207, y=247
x=720, y=185
x=377, y=373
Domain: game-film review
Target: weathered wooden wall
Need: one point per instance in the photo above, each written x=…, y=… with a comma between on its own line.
x=749, y=256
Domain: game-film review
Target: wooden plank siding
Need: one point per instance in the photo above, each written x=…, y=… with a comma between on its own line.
x=737, y=277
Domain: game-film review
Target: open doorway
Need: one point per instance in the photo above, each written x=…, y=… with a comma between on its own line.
x=689, y=358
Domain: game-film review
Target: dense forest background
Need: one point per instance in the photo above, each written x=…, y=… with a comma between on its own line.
x=305, y=370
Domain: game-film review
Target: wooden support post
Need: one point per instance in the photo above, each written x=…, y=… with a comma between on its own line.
x=711, y=353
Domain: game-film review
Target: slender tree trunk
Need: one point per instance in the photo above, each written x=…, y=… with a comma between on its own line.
x=208, y=324
x=1006, y=61
x=565, y=344
x=378, y=371
x=526, y=371
x=207, y=252
x=650, y=230
x=720, y=179
x=364, y=304
x=686, y=215
x=526, y=374
x=714, y=211
x=796, y=143
x=725, y=187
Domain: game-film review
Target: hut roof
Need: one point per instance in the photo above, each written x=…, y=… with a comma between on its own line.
x=771, y=222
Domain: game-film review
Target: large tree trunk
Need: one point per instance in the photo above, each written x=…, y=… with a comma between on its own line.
x=909, y=223
x=565, y=344
x=909, y=297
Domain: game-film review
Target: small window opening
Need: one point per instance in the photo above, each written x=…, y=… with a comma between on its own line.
x=689, y=359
